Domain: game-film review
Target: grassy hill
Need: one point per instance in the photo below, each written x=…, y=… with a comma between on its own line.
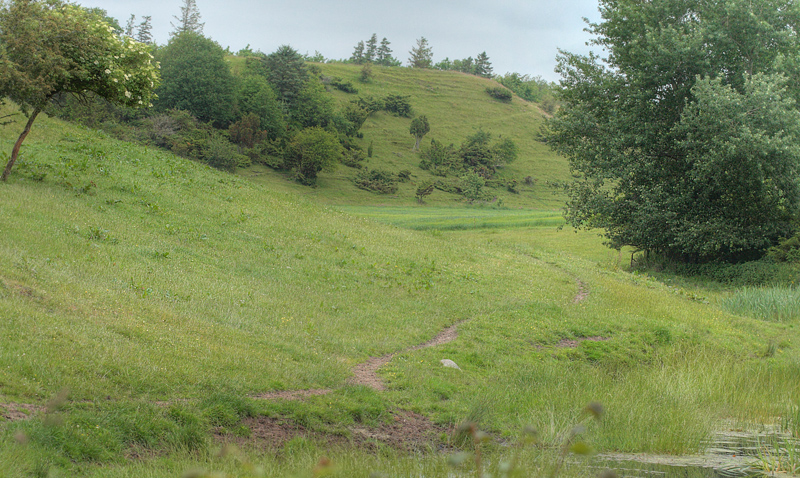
x=456, y=105
x=154, y=308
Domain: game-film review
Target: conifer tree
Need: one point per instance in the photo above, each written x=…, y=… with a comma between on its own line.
x=145, y=31
x=421, y=55
x=358, y=54
x=372, y=48
x=385, y=53
x=129, y=26
x=189, y=20
x=483, y=67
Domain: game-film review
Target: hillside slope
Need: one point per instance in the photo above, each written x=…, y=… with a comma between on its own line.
x=456, y=105
x=148, y=286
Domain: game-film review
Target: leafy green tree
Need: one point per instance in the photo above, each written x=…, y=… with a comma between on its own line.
x=421, y=54
x=312, y=107
x=312, y=150
x=196, y=78
x=256, y=96
x=189, y=19
x=54, y=48
x=371, y=52
x=419, y=128
x=684, y=139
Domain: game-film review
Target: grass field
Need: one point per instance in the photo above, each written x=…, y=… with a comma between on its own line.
x=148, y=300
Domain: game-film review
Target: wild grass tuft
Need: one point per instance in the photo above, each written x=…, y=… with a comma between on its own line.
x=776, y=304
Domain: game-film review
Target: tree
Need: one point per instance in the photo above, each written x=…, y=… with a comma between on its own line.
x=421, y=54
x=419, y=128
x=483, y=67
x=313, y=150
x=256, y=96
x=129, y=26
x=358, y=54
x=189, y=19
x=286, y=71
x=372, y=48
x=196, y=78
x=385, y=53
x=54, y=48
x=684, y=139
x=145, y=31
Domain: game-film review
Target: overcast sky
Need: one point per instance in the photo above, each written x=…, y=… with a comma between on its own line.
x=518, y=35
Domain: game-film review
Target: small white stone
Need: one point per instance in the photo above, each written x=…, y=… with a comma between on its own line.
x=449, y=363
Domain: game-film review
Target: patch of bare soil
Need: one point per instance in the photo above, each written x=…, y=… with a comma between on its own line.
x=367, y=373
x=18, y=411
x=572, y=343
x=583, y=292
x=406, y=431
x=292, y=394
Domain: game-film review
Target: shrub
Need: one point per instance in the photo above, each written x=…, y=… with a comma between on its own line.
x=342, y=85
x=376, y=180
x=398, y=105
x=500, y=93
x=439, y=158
x=366, y=73
x=424, y=190
x=312, y=150
x=788, y=250
x=220, y=153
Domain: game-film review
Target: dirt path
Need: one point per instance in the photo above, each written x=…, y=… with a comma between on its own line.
x=367, y=373
x=583, y=292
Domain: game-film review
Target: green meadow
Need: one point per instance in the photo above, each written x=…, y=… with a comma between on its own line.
x=149, y=301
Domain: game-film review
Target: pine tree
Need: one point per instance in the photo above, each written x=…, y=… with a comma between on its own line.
x=483, y=67
x=145, y=31
x=129, y=26
x=189, y=21
x=372, y=48
x=385, y=53
x=421, y=55
x=358, y=54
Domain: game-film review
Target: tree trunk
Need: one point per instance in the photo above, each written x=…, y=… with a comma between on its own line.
x=416, y=144
x=18, y=144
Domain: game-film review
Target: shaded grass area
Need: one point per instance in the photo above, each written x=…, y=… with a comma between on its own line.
x=129, y=276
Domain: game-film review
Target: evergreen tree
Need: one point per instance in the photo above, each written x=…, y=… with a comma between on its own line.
x=385, y=53
x=358, y=54
x=189, y=20
x=372, y=48
x=130, y=26
x=483, y=67
x=145, y=33
x=286, y=71
x=421, y=55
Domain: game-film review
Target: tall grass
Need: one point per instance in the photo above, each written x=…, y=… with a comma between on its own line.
x=776, y=304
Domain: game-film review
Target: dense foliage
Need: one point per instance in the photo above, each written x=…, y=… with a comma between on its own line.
x=684, y=141
x=196, y=78
x=53, y=48
x=477, y=155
